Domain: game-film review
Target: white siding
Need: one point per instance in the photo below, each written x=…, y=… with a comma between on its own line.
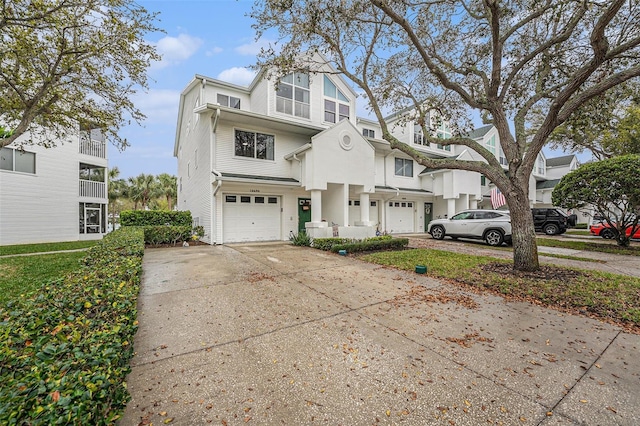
x=44, y=207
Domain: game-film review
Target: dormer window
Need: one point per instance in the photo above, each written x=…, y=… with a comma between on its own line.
x=368, y=133
x=292, y=95
x=336, y=104
x=491, y=144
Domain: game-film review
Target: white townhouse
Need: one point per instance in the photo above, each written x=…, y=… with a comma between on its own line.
x=262, y=162
x=54, y=194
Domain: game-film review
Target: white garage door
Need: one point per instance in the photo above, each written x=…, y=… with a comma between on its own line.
x=354, y=212
x=401, y=217
x=251, y=218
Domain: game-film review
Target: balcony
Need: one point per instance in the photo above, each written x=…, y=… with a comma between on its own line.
x=93, y=189
x=93, y=147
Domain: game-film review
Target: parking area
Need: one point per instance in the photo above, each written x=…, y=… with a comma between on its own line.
x=277, y=334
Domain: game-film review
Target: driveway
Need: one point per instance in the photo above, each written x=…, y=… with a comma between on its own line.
x=277, y=334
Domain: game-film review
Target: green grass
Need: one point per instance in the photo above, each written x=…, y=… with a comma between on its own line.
x=23, y=275
x=44, y=247
x=632, y=250
x=578, y=232
x=610, y=297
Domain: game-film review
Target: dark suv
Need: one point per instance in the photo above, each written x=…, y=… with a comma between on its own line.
x=551, y=221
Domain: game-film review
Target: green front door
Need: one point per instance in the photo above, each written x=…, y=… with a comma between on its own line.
x=304, y=213
x=428, y=214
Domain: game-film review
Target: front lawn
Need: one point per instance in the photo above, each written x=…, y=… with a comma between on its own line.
x=602, y=247
x=609, y=297
x=22, y=275
x=45, y=247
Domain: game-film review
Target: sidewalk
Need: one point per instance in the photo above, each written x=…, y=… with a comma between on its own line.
x=275, y=334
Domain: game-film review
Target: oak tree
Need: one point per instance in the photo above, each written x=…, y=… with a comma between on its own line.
x=71, y=63
x=527, y=65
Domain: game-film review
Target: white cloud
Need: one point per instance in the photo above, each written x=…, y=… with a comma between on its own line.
x=214, y=51
x=176, y=49
x=252, y=49
x=237, y=75
x=160, y=105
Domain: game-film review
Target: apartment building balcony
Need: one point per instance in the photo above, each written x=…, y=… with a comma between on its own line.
x=93, y=148
x=93, y=189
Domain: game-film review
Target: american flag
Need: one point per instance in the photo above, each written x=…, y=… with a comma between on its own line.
x=497, y=198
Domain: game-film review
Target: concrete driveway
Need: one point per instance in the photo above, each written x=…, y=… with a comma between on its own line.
x=276, y=334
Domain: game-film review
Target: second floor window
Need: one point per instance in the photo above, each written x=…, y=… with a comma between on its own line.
x=491, y=144
x=336, y=104
x=293, y=96
x=15, y=160
x=404, y=167
x=368, y=133
x=418, y=136
x=229, y=101
x=254, y=145
x=541, y=165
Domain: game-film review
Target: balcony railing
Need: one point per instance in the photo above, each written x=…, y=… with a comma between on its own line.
x=89, y=188
x=93, y=147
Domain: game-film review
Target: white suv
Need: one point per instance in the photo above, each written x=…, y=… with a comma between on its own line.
x=492, y=226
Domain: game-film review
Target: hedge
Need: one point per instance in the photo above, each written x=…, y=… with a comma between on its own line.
x=155, y=217
x=65, y=351
x=167, y=234
x=369, y=245
x=327, y=243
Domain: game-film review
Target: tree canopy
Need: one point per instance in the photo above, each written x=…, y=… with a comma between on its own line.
x=71, y=63
x=526, y=65
x=611, y=186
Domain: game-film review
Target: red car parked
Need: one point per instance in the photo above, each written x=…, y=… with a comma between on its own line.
x=603, y=230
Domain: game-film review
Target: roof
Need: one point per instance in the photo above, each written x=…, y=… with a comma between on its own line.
x=239, y=177
x=478, y=133
x=547, y=184
x=390, y=188
x=565, y=160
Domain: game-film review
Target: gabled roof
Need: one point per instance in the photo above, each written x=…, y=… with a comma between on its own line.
x=547, y=184
x=480, y=132
x=565, y=160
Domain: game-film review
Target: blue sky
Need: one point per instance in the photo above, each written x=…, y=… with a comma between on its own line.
x=209, y=37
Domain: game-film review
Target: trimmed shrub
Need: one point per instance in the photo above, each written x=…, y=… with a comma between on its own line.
x=65, y=351
x=370, y=245
x=327, y=243
x=167, y=234
x=581, y=226
x=155, y=217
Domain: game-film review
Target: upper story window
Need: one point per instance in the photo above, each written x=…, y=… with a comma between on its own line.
x=254, y=145
x=491, y=144
x=404, y=167
x=368, y=133
x=336, y=104
x=443, y=131
x=229, y=101
x=17, y=161
x=541, y=166
x=293, y=96
x=418, y=136
x=503, y=159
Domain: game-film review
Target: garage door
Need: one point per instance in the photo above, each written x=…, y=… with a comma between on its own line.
x=251, y=218
x=401, y=217
x=354, y=212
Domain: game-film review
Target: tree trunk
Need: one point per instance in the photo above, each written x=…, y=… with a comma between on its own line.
x=525, y=249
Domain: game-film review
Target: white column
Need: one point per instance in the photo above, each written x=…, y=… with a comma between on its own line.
x=316, y=206
x=451, y=207
x=365, y=220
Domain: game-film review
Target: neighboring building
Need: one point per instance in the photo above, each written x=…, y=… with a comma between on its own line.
x=556, y=168
x=263, y=162
x=54, y=194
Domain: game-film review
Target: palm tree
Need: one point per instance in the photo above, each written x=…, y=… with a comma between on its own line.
x=142, y=189
x=117, y=189
x=169, y=188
